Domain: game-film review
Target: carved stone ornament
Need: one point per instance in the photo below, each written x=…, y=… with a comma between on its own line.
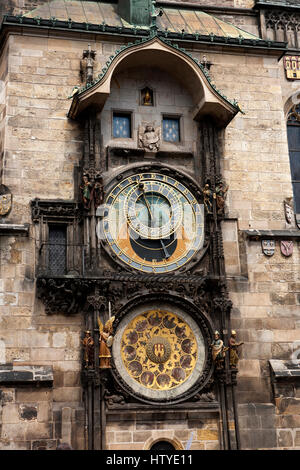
x=288, y=211
x=286, y=247
x=149, y=136
x=268, y=247
x=5, y=200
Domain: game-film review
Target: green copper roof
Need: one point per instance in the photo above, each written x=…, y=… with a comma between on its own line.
x=173, y=19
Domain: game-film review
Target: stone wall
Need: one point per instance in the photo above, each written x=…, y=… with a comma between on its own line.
x=18, y=7
x=41, y=148
x=139, y=431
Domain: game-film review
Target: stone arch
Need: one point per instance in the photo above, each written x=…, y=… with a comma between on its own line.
x=293, y=100
x=155, y=52
x=174, y=441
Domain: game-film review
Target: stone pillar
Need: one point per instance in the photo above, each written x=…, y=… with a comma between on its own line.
x=66, y=425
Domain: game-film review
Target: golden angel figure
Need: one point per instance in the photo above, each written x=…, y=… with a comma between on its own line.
x=105, y=341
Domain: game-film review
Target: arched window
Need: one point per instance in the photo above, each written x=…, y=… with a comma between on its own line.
x=293, y=133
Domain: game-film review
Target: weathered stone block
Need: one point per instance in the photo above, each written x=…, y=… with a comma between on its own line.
x=207, y=435
x=10, y=413
x=285, y=438
x=67, y=394
x=37, y=431
x=28, y=412
x=288, y=406
x=44, y=444
x=124, y=436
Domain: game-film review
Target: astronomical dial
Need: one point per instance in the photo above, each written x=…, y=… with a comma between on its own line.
x=153, y=212
x=153, y=223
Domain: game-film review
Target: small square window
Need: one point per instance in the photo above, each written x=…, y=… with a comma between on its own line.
x=122, y=125
x=171, y=129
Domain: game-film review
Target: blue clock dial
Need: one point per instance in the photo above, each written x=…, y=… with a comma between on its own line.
x=153, y=223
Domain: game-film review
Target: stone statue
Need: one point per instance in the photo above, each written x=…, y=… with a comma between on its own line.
x=106, y=341
x=88, y=350
x=233, y=350
x=149, y=137
x=86, y=191
x=98, y=191
x=218, y=351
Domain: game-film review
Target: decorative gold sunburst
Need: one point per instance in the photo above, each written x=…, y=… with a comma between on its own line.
x=159, y=350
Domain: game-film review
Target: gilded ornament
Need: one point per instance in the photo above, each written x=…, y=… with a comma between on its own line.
x=105, y=341
x=159, y=350
x=233, y=350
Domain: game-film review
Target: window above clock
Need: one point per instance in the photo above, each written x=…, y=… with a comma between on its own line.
x=171, y=129
x=121, y=125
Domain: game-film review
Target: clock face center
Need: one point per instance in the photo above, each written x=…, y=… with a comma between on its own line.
x=153, y=210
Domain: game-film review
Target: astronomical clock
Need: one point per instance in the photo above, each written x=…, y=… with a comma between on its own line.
x=153, y=226
x=153, y=223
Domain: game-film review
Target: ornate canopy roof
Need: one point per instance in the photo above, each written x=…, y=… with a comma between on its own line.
x=159, y=52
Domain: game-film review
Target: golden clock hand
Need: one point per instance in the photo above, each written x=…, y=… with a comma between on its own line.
x=141, y=186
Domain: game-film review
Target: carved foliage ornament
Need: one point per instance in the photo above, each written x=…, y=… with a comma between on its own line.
x=5, y=200
x=288, y=211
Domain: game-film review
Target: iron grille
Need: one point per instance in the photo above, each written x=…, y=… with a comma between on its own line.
x=57, y=250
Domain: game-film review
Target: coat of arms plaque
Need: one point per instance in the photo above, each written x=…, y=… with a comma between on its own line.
x=268, y=247
x=286, y=247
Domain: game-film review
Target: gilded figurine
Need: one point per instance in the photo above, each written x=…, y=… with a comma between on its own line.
x=221, y=192
x=147, y=99
x=218, y=351
x=86, y=191
x=105, y=341
x=233, y=350
x=88, y=351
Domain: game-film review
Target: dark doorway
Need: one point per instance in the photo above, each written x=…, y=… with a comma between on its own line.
x=162, y=445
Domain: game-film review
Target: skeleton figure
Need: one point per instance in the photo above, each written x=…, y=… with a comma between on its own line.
x=208, y=198
x=106, y=341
